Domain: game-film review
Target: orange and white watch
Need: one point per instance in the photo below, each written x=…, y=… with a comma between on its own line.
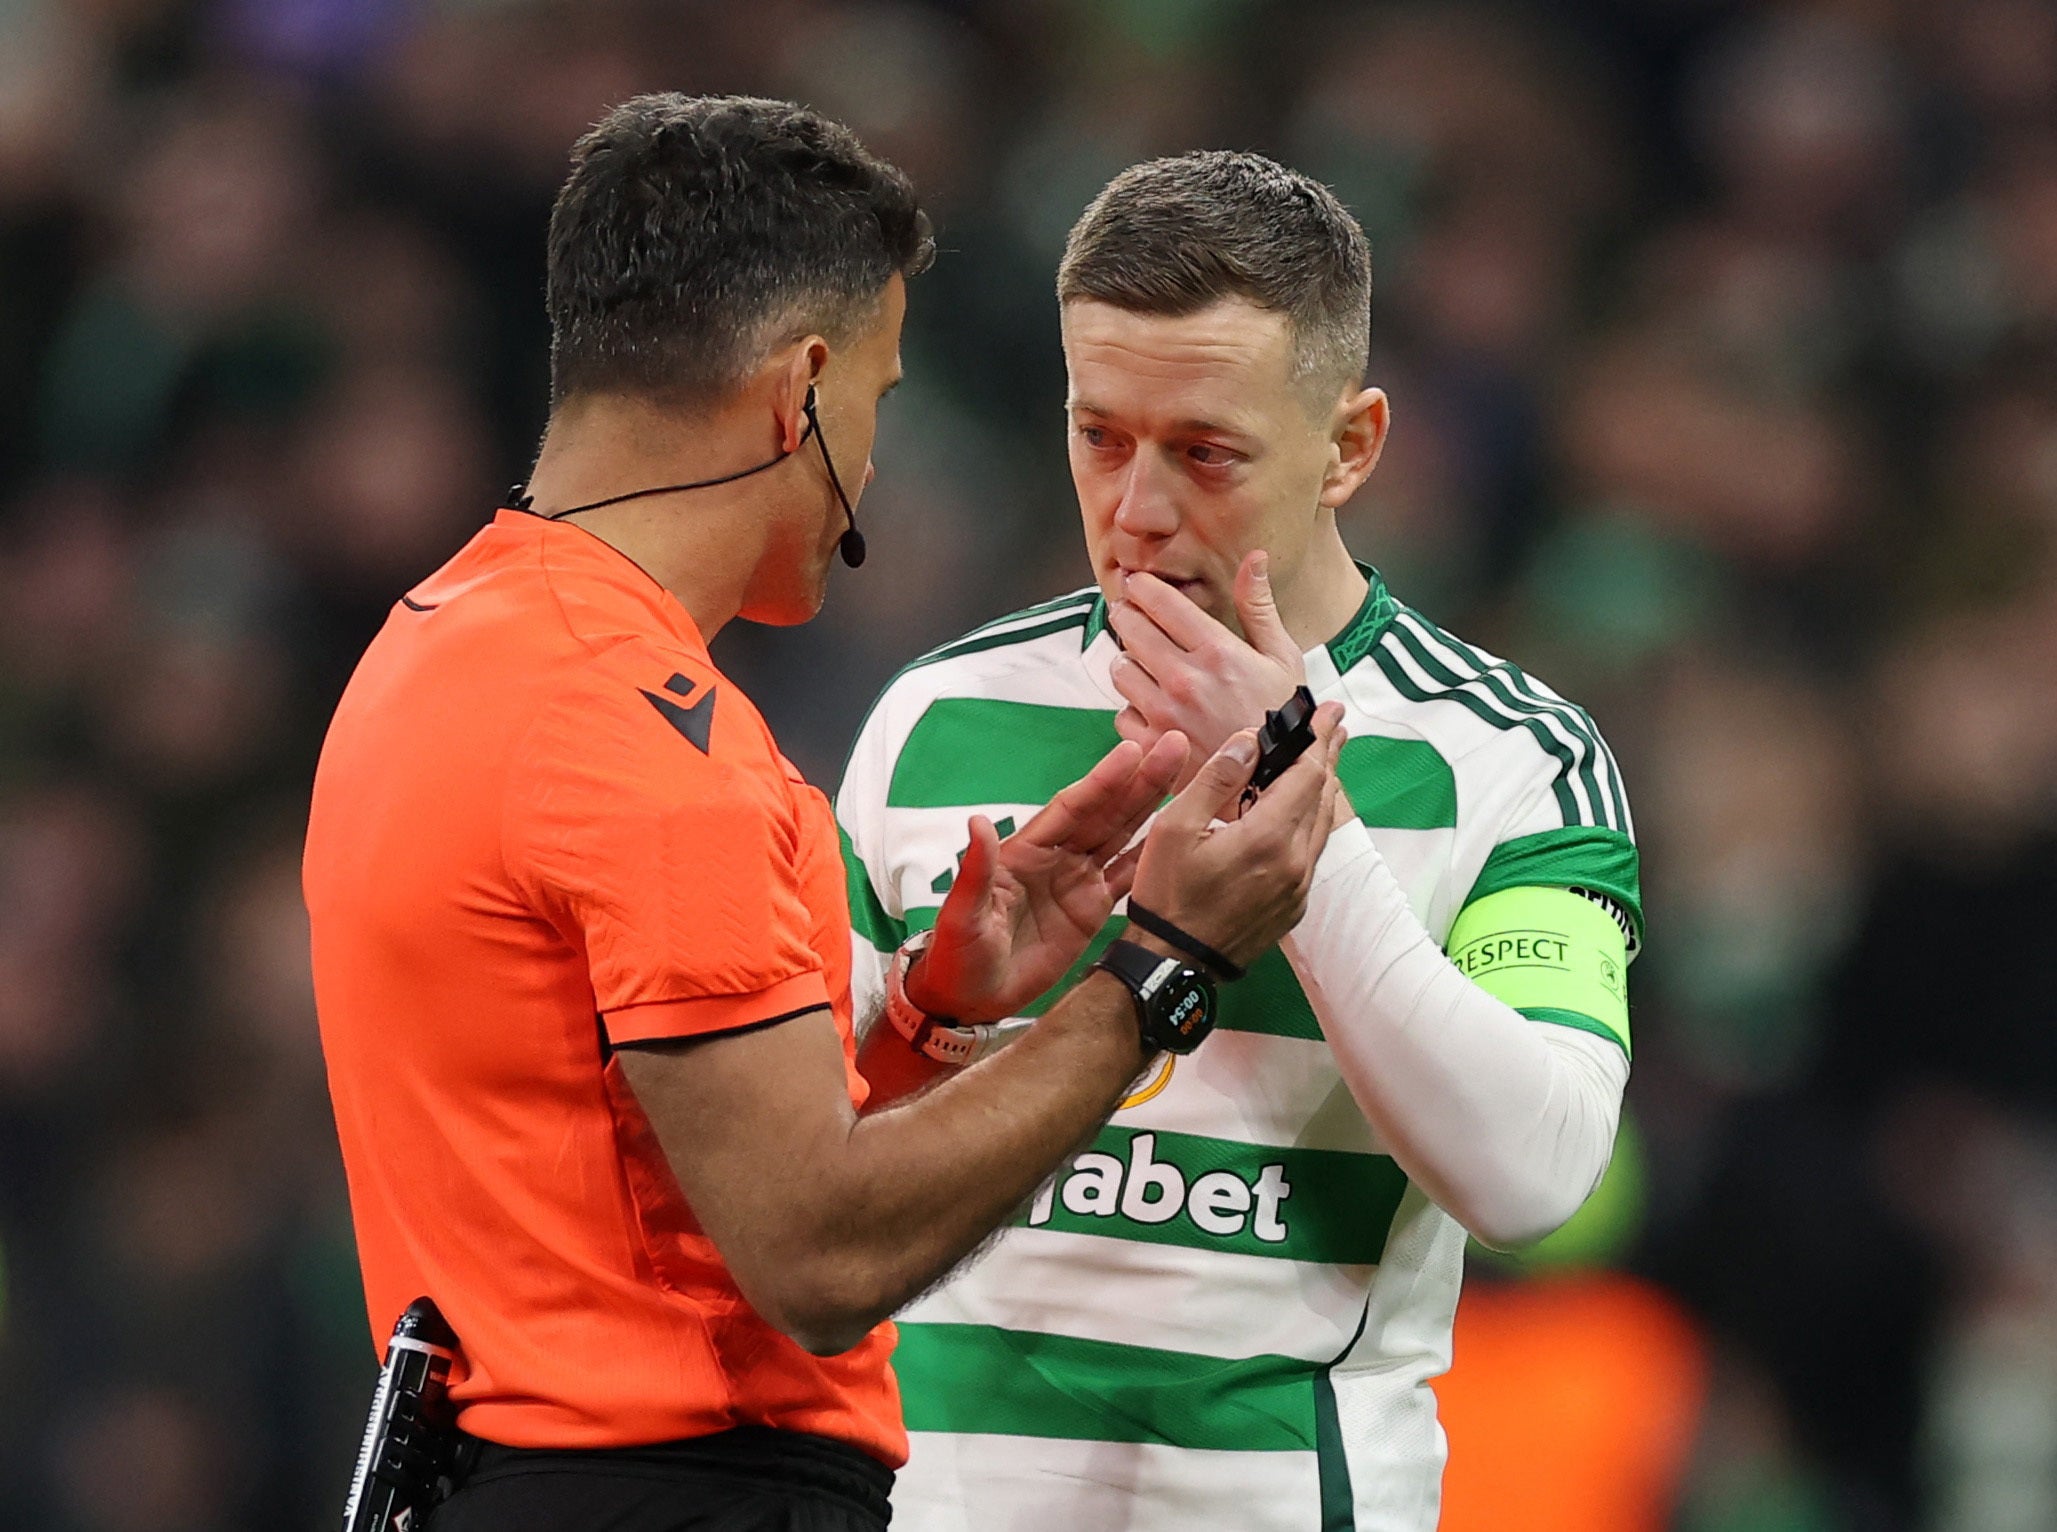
x=941, y=1038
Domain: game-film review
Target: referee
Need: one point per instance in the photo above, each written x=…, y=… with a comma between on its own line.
x=581, y=943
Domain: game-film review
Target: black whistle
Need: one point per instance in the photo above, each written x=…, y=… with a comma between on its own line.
x=411, y=1437
x=1288, y=731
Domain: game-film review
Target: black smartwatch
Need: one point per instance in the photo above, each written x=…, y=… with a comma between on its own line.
x=1174, y=999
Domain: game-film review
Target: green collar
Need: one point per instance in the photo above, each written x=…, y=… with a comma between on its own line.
x=1349, y=646
x=1362, y=631
x=1096, y=623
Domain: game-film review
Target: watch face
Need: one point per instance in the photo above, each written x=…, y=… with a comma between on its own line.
x=1183, y=1011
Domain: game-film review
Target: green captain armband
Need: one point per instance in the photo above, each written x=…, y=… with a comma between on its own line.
x=1552, y=954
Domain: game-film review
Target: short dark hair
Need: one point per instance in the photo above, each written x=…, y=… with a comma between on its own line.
x=1174, y=236
x=695, y=233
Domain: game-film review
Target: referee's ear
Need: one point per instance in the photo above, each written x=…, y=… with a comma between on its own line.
x=793, y=374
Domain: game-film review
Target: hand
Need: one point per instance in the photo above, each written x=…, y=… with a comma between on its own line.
x=1022, y=909
x=1180, y=669
x=1241, y=886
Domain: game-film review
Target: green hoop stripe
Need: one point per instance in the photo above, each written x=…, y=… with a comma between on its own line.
x=1398, y=784
x=1337, y=1209
x=1579, y=856
x=1578, y=1021
x=972, y=752
x=986, y=1380
x=868, y=917
x=1267, y=1000
x=978, y=641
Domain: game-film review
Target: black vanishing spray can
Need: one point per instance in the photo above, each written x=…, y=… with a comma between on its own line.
x=410, y=1438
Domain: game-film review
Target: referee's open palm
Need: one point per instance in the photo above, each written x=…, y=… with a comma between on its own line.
x=1023, y=909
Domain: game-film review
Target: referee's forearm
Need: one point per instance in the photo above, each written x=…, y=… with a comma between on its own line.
x=924, y=1183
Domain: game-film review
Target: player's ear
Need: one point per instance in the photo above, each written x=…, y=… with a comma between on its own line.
x=1357, y=437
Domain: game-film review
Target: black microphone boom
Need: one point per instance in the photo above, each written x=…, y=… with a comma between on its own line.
x=850, y=545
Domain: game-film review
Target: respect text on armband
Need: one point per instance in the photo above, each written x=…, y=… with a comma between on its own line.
x=1513, y=949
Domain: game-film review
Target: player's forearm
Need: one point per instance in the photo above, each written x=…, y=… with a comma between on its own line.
x=920, y=1185
x=1506, y=1123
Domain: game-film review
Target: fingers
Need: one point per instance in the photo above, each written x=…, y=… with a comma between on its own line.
x=1299, y=791
x=1262, y=626
x=1212, y=794
x=1120, y=874
x=1075, y=816
x=1314, y=833
x=1138, y=686
x=972, y=892
x=1173, y=611
x=1144, y=640
x=1163, y=763
x=1159, y=768
x=1098, y=814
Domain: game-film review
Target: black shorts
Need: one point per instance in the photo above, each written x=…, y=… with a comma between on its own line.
x=752, y=1479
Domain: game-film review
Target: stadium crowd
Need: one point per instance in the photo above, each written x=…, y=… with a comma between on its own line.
x=1722, y=345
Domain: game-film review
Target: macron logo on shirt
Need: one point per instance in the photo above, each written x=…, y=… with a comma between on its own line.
x=695, y=722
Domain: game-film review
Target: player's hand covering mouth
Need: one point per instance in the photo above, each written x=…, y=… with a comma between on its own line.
x=1186, y=584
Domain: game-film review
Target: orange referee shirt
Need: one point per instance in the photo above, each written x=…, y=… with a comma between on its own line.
x=544, y=825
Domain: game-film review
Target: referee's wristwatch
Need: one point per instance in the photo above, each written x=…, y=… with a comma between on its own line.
x=938, y=1037
x=1175, y=1003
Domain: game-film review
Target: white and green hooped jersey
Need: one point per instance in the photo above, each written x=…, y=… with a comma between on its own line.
x=1227, y=1312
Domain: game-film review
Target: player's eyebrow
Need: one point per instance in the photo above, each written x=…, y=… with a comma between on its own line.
x=1199, y=426
x=1191, y=425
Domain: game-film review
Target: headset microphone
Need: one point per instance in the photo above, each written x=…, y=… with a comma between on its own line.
x=850, y=545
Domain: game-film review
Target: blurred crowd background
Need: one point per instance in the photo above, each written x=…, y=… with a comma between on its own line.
x=1722, y=345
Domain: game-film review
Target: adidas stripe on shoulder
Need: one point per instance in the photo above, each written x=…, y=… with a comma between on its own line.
x=1426, y=664
x=1053, y=616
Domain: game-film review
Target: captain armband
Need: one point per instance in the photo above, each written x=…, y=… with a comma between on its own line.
x=1553, y=954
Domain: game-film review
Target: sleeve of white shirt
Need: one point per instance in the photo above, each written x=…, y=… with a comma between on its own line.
x=877, y=921
x=1506, y=1123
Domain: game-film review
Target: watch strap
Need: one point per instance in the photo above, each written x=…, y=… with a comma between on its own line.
x=1149, y=920
x=941, y=1038
x=1148, y=974
x=1142, y=970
